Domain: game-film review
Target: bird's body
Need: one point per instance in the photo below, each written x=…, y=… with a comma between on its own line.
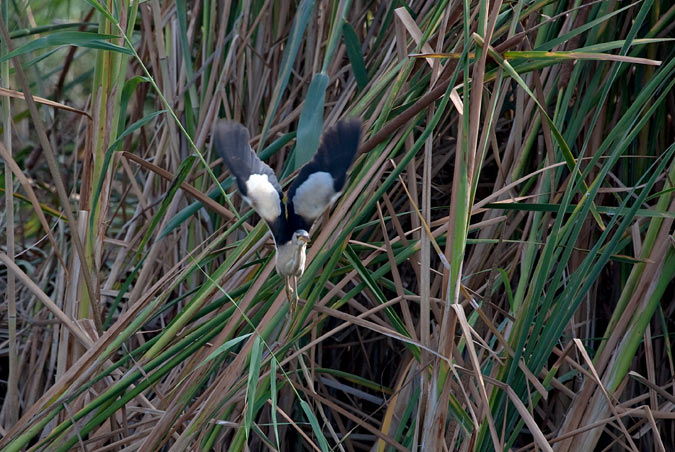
x=291, y=256
x=317, y=186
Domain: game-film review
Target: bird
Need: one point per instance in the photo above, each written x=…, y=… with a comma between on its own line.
x=290, y=216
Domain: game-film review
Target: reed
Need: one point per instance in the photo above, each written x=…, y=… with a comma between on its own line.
x=497, y=274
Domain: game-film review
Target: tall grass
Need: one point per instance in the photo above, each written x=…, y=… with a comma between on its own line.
x=498, y=274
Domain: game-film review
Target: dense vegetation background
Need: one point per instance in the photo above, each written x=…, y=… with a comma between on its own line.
x=497, y=275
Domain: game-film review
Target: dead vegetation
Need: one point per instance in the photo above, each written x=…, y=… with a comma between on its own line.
x=498, y=273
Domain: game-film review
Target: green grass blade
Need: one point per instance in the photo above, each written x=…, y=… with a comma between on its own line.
x=311, y=121
x=252, y=384
x=355, y=56
x=68, y=38
x=295, y=38
x=314, y=422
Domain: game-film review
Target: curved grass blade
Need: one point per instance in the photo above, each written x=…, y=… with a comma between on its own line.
x=68, y=38
x=103, y=10
x=575, y=55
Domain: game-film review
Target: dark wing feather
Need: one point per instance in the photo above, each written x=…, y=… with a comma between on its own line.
x=231, y=140
x=321, y=180
x=256, y=181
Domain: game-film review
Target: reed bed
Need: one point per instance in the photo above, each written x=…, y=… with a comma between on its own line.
x=497, y=275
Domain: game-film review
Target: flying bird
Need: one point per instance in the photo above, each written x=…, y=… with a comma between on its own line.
x=317, y=186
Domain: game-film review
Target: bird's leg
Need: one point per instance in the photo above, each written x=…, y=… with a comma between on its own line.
x=290, y=294
x=296, y=295
x=293, y=299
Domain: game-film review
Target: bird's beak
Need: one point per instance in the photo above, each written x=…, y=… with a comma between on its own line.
x=304, y=238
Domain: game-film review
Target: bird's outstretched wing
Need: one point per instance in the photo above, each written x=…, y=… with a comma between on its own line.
x=256, y=181
x=321, y=181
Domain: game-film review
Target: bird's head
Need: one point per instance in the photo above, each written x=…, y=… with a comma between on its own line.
x=300, y=238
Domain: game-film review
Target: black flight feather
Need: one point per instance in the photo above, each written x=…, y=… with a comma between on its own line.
x=231, y=140
x=335, y=155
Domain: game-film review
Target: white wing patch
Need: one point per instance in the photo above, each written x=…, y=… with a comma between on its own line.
x=263, y=197
x=314, y=195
